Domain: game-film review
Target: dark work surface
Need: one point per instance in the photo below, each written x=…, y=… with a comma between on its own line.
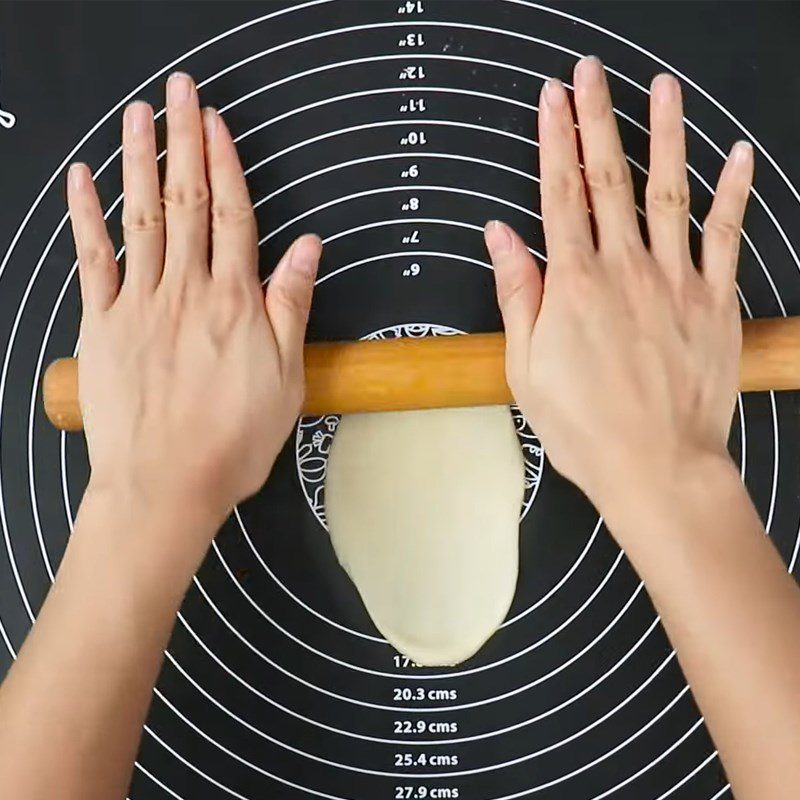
x=274, y=684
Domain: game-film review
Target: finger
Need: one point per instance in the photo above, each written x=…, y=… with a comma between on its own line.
x=667, y=192
x=234, y=239
x=288, y=300
x=142, y=215
x=722, y=229
x=565, y=215
x=519, y=286
x=186, y=194
x=608, y=178
x=97, y=266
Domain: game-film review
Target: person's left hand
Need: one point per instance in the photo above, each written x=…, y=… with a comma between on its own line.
x=190, y=377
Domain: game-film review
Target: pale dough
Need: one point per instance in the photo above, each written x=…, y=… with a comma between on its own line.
x=423, y=510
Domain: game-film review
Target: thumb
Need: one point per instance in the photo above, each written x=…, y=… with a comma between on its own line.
x=288, y=299
x=518, y=282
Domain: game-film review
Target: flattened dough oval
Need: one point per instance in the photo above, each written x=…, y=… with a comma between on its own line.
x=423, y=511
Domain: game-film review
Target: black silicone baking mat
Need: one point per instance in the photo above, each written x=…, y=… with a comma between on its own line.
x=394, y=130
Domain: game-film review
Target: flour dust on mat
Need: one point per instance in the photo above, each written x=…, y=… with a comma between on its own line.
x=423, y=511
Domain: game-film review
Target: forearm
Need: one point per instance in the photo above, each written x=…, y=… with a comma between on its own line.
x=731, y=611
x=82, y=684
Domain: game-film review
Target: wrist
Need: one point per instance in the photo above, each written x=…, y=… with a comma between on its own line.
x=671, y=498
x=161, y=494
x=159, y=539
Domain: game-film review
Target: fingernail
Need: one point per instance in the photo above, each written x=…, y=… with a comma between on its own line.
x=76, y=177
x=589, y=71
x=210, y=123
x=304, y=255
x=663, y=89
x=741, y=152
x=498, y=238
x=137, y=118
x=555, y=94
x=179, y=87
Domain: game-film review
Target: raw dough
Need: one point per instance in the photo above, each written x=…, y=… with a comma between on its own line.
x=423, y=511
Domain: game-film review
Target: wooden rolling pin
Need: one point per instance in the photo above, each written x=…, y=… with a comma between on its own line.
x=435, y=372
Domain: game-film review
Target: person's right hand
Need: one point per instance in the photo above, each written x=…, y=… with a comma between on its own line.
x=626, y=360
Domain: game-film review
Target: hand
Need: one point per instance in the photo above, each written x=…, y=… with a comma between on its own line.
x=190, y=378
x=625, y=361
